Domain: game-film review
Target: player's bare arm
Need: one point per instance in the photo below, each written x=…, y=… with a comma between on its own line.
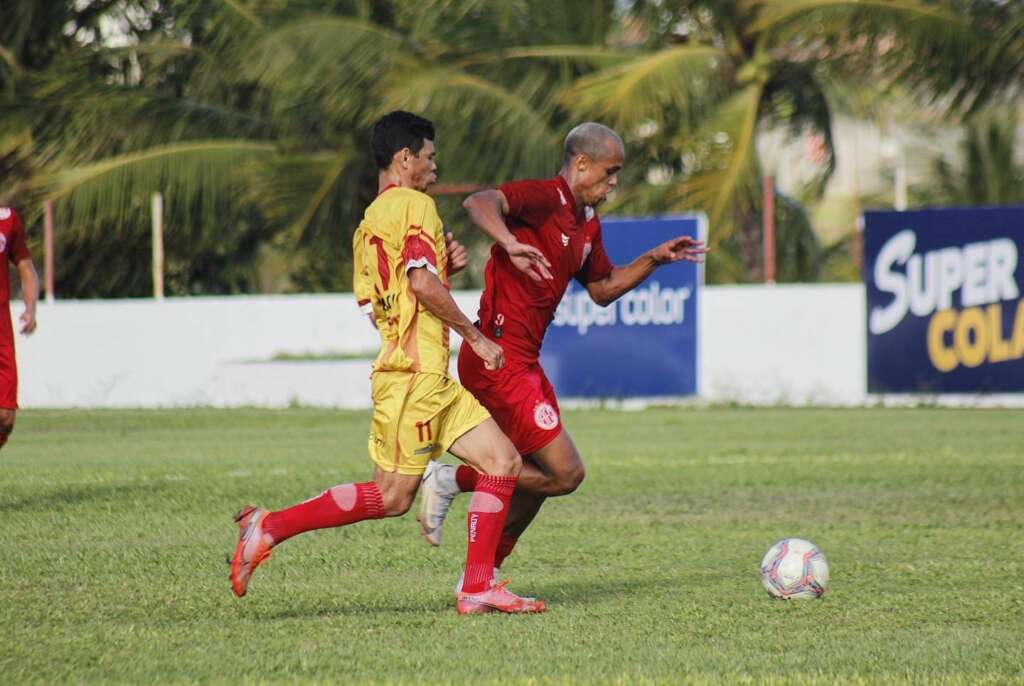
x=30, y=292
x=438, y=301
x=624, y=279
x=488, y=209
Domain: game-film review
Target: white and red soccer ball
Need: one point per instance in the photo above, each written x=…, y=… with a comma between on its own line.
x=794, y=568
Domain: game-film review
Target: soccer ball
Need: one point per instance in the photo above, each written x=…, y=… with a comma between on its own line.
x=794, y=568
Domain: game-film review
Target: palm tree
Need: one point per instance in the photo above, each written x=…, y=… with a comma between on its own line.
x=990, y=173
x=252, y=115
x=711, y=75
x=252, y=118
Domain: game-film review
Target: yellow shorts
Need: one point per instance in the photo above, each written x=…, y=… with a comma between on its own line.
x=416, y=417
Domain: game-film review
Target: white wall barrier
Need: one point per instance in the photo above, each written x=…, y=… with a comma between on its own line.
x=758, y=344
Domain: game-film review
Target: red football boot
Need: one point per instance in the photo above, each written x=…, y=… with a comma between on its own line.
x=252, y=549
x=497, y=598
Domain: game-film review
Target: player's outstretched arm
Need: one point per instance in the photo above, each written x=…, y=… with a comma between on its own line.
x=30, y=292
x=624, y=279
x=429, y=290
x=488, y=209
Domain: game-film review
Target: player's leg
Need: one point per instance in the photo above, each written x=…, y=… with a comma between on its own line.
x=514, y=396
x=8, y=391
x=389, y=493
x=260, y=531
x=492, y=454
x=6, y=425
x=559, y=470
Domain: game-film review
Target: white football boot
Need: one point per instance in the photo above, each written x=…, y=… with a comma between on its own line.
x=437, y=491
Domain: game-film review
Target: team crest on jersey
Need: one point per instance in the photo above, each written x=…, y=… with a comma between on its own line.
x=3, y=243
x=588, y=212
x=565, y=240
x=5, y=212
x=545, y=416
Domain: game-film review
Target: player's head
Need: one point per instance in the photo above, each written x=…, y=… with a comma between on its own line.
x=404, y=142
x=594, y=154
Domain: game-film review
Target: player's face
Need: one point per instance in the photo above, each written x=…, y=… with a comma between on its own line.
x=599, y=177
x=422, y=168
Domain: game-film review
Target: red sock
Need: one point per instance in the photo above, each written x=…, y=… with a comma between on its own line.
x=487, y=513
x=465, y=478
x=505, y=545
x=337, y=506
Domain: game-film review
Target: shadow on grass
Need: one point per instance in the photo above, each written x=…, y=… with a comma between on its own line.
x=567, y=593
x=72, y=496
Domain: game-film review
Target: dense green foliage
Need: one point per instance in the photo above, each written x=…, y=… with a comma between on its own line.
x=251, y=116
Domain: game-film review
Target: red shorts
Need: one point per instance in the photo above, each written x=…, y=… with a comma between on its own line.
x=518, y=396
x=8, y=378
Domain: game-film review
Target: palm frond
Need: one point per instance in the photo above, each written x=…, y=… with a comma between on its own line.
x=485, y=132
x=329, y=59
x=584, y=55
x=794, y=98
x=686, y=79
x=191, y=174
x=785, y=16
x=729, y=187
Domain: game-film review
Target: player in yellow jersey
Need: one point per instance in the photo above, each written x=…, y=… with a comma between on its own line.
x=401, y=280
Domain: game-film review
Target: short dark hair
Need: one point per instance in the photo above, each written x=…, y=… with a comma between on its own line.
x=397, y=130
x=590, y=139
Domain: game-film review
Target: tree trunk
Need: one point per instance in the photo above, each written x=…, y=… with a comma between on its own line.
x=748, y=239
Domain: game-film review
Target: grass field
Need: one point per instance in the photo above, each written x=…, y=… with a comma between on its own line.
x=116, y=526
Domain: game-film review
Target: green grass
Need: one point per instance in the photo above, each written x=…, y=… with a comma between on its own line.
x=116, y=526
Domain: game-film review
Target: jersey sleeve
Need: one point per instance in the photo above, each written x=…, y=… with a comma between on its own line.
x=530, y=201
x=362, y=278
x=18, y=248
x=424, y=231
x=596, y=265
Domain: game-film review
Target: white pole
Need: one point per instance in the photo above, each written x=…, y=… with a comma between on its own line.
x=900, y=201
x=158, y=246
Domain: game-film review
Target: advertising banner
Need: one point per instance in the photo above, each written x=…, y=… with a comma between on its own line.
x=944, y=306
x=645, y=343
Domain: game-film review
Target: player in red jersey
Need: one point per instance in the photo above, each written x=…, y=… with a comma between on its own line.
x=557, y=217
x=13, y=243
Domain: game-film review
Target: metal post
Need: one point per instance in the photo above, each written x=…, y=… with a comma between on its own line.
x=768, y=223
x=158, y=246
x=48, y=250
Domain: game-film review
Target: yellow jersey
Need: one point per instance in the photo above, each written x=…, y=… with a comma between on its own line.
x=401, y=230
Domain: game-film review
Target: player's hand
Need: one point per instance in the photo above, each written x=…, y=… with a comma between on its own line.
x=28, y=322
x=529, y=260
x=457, y=257
x=489, y=351
x=680, y=248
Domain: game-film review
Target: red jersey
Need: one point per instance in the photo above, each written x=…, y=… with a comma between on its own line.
x=12, y=243
x=515, y=310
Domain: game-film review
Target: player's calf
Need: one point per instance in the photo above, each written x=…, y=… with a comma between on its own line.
x=396, y=499
x=566, y=481
x=6, y=425
x=259, y=530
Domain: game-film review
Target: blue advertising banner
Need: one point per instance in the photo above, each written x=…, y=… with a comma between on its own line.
x=944, y=306
x=645, y=343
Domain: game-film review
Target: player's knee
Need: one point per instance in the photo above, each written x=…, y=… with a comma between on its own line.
x=504, y=461
x=569, y=480
x=396, y=503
